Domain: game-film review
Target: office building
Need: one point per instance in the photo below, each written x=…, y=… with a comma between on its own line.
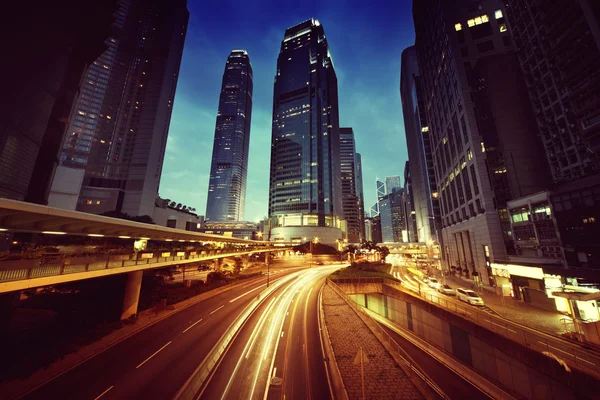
x=350, y=202
x=424, y=194
x=393, y=218
x=360, y=195
x=229, y=167
x=483, y=131
x=118, y=128
x=373, y=229
x=47, y=47
x=380, y=189
x=176, y=215
x=305, y=193
x=558, y=45
x=392, y=182
x=409, y=211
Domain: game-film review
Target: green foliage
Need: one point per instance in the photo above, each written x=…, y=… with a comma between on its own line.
x=317, y=248
x=364, y=269
x=141, y=218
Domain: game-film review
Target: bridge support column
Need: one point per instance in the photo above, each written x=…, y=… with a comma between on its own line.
x=218, y=264
x=8, y=303
x=245, y=259
x=132, y=294
x=267, y=258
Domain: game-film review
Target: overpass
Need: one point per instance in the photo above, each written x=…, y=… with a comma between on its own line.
x=51, y=269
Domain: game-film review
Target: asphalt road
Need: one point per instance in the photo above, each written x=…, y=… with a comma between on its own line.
x=155, y=362
x=277, y=354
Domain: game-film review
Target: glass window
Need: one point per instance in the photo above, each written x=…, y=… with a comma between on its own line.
x=458, y=27
x=498, y=14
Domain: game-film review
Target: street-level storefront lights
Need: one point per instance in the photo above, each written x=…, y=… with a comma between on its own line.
x=53, y=233
x=95, y=235
x=124, y=237
x=3, y=229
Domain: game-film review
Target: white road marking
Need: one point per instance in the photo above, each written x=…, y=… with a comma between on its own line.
x=157, y=351
x=191, y=326
x=214, y=311
x=274, y=371
x=248, y=292
x=103, y=393
x=281, y=333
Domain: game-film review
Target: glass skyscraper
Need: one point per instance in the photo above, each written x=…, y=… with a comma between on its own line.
x=227, y=184
x=350, y=201
x=305, y=199
x=113, y=150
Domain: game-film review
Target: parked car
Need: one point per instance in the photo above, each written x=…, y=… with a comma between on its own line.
x=445, y=289
x=469, y=296
x=433, y=283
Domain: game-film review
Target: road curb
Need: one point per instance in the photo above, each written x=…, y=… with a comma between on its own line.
x=16, y=389
x=336, y=383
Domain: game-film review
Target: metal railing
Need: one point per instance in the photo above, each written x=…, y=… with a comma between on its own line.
x=432, y=390
x=536, y=340
x=16, y=270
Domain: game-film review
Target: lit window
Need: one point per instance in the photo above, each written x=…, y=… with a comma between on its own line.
x=425, y=129
x=482, y=147
x=97, y=201
x=503, y=28
x=88, y=202
x=444, y=140
x=498, y=14
x=458, y=27
x=478, y=21
x=484, y=18
x=471, y=22
x=435, y=195
x=469, y=154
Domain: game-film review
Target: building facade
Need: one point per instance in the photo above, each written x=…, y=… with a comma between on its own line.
x=409, y=209
x=175, y=215
x=51, y=45
x=350, y=201
x=360, y=195
x=424, y=193
x=558, y=45
x=305, y=192
x=392, y=182
x=118, y=129
x=482, y=128
x=229, y=167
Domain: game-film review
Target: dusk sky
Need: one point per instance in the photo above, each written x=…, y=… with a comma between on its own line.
x=366, y=40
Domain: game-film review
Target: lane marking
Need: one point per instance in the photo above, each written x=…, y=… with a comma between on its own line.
x=281, y=333
x=274, y=371
x=248, y=292
x=103, y=393
x=214, y=311
x=157, y=351
x=191, y=326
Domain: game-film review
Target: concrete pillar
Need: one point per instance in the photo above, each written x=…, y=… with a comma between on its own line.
x=132, y=294
x=218, y=264
x=267, y=257
x=245, y=258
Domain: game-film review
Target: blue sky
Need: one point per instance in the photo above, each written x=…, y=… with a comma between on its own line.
x=366, y=40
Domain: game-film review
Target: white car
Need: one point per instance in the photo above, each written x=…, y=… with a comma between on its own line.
x=469, y=296
x=445, y=289
x=433, y=283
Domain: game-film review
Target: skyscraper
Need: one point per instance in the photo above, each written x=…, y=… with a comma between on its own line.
x=227, y=184
x=305, y=193
x=482, y=127
x=392, y=182
x=350, y=201
x=380, y=189
x=361, y=195
x=50, y=45
x=409, y=211
x=424, y=193
x=118, y=129
x=392, y=214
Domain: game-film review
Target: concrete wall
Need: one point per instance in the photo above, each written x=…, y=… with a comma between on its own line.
x=514, y=366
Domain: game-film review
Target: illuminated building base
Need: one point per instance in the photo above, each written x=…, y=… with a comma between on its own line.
x=301, y=234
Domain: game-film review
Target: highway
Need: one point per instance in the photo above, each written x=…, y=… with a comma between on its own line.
x=277, y=354
x=155, y=362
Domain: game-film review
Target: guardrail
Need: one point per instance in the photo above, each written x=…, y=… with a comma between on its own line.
x=16, y=270
x=428, y=386
x=539, y=341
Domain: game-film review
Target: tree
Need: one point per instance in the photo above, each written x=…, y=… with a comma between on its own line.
x=383, y=251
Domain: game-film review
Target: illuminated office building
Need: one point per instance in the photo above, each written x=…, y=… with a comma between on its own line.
x=305, y=193
x=227, y=184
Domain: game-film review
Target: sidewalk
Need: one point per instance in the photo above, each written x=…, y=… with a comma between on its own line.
x=347, y=332
x=518, y=311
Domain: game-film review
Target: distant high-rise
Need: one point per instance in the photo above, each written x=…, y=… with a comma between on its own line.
x=424, y=193
x=361, y=195
x=558, y=45
x=305, y=193
x=392, y=214
x=113, y=151
x=380, y=189
x=483, y=130
x=227, y=184
x=409, y=211
x=350, y=201
x=392, y=182
x=47, y=47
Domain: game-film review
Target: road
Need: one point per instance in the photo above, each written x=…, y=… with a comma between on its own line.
x=277, y=354
x=157, y=361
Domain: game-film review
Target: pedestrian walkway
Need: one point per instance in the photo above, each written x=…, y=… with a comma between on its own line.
x=347, y=332
x=518, y=311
